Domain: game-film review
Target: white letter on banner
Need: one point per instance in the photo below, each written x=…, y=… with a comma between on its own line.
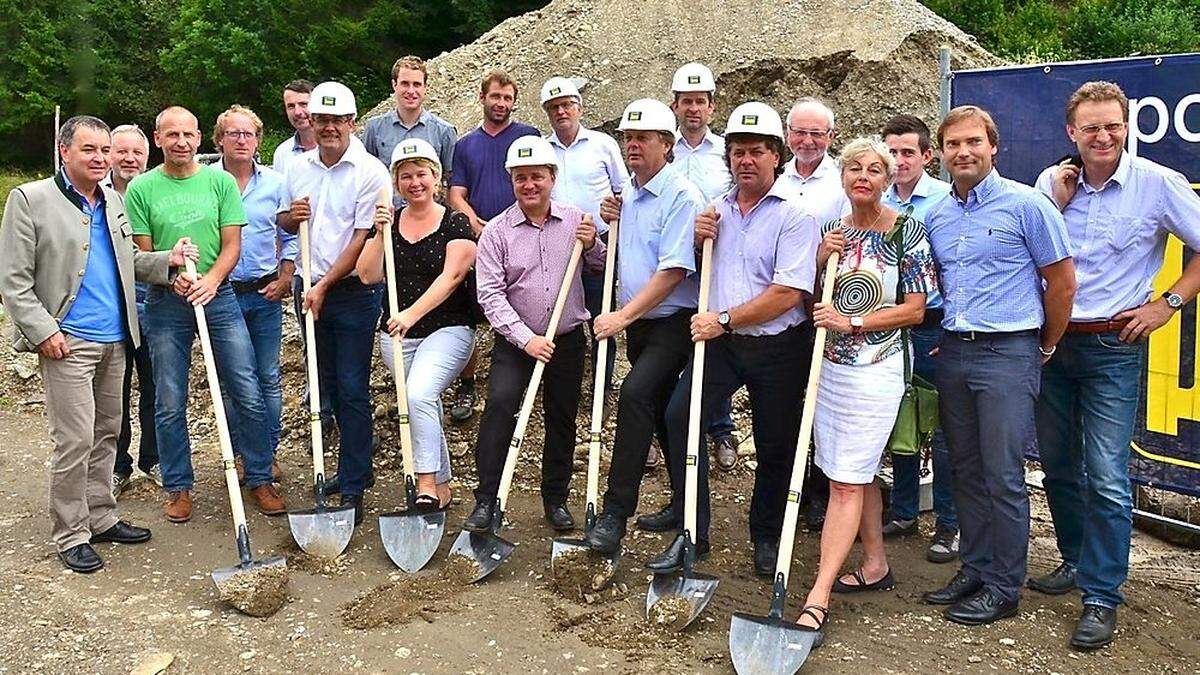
x=1164, y=121
x=1181, y=118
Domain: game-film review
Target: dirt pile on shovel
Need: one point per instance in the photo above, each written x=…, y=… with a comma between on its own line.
x=671, y=613
x=576, y=574
x=259, y=591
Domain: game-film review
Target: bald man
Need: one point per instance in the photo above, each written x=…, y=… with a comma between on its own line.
x=183, y=198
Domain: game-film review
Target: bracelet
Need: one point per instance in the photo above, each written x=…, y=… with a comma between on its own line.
x=1049, y=353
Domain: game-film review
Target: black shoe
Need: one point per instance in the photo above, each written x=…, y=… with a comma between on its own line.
x=671, y=560
x=665, y=520
x=462, y=404
x=1095, y=628
x=480, y=519
x=605, y=536
x=82, y=558
x=766, y=553
x=899, y=527
x=960, y=587
x=559, y=517
x=333, y=485
x=357, y=502
x=725, y=452
x=1058, y=582
x=984, y=607
x=122, y=533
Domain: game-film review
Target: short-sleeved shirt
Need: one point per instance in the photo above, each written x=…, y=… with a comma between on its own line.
x=479, y=167
x=382, y=134
x=704, y=164
x=342, y=198
x=867, y=277
x=657, y=230
x=820, y=194
x=199, y=206
x=927, y=191
x=264, y=243
x=1119, y=232
x=287, y=150
x=589, y=170
x=418, y=265
x=98, y=313
x=774, y=243
x=989, y=248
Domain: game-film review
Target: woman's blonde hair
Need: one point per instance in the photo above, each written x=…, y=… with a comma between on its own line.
x=419, y=161
x=861, y=146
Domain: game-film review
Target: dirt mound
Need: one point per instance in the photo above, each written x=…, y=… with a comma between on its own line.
x=869, y=59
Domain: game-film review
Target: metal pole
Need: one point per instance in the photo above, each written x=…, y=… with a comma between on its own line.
x=944, y=78
x=57, y=117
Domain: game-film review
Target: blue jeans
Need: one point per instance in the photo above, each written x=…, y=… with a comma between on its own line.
x=264, y=321
x=345, y=335
x=906, y=469
x=172, y=330
x=1085, y=420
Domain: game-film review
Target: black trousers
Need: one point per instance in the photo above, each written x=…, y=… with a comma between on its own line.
x=774, y=370
x=148, y=445
x=562, y=384
x=658, y=350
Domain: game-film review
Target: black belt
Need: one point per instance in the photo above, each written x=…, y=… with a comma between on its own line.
x=242, y=287
x=973, y=335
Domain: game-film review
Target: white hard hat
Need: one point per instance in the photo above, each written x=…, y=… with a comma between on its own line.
x=558, y=87
x=693, y=77
x=530, y=151
x=755, y=118
x=647, y=114
x=415, y=148
x=332, y=98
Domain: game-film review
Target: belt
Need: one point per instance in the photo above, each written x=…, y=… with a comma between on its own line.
x=973, y=335
x=1090, y=327
x=242, y=287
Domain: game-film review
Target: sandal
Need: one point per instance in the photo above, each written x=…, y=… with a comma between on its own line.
x=426, y=503
x=819, y=629
x=887, y=583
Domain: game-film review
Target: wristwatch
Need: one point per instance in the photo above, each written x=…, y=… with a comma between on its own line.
x=856, y=325
x=723, y=319
x=1174, y=301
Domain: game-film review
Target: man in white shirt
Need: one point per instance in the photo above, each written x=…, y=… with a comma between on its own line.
x=295, y=104
x=813, y=177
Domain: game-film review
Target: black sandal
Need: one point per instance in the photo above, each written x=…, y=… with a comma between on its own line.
x=887, y=583
x=426, y=503
x=819, y=629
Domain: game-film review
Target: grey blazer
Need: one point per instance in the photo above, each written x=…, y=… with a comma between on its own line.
x=44, y=240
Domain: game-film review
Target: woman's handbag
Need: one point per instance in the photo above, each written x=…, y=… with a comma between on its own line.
x=917, y=418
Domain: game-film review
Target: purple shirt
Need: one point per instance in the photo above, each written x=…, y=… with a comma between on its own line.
x=774, y=243
x=520, y=267
x=479, y=167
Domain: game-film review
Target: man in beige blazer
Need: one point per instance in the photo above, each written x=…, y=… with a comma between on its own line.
x=67, y=266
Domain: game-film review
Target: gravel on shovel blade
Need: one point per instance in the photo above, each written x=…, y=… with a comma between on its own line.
x=671, y=612
x=460, y=570
x=259, y=591
x=577, y=572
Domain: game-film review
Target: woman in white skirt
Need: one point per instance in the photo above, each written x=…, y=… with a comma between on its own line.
x=435, y=252
x=862, y=377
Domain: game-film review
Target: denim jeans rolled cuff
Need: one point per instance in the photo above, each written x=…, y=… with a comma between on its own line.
x=172, y=322
x=1085, y=422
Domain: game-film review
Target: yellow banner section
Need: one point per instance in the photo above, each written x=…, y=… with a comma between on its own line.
x=1166, y=402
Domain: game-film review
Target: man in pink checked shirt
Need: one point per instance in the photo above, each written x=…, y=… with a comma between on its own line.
x=522, y=259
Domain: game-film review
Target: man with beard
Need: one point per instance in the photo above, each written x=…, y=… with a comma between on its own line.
x=295, y=105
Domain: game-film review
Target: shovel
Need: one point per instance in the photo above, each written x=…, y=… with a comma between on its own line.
x=410, y=537
x=577, y=547
x=488, y=550
x=767, y=645
x=321, y=531
x=687, y=591
x=254, y=587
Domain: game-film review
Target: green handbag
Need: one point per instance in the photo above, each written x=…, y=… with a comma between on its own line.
x=917, y=418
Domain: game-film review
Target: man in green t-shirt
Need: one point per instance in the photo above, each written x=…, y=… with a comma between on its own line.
x=183, y=198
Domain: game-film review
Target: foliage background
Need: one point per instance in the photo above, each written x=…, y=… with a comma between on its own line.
x=123, y=60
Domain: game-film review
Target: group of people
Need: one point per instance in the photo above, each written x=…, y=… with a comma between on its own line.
x=1028, y=307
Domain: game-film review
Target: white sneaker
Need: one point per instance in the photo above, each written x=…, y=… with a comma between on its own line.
x=119, y=483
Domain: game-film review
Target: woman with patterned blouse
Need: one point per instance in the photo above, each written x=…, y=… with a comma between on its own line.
x=862, y=378
x=434, y=253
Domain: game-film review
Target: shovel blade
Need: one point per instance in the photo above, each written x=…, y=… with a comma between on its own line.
x=691, y=587
x=487, y=549
x=256, y=588
x=323, y=533
x=763, y=645
x=605, y=564
x=411, y=538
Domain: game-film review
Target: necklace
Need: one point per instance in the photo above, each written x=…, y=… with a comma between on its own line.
x=870, y=227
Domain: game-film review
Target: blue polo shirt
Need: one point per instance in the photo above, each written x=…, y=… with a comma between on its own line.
x=98, y=312
x=479, y=167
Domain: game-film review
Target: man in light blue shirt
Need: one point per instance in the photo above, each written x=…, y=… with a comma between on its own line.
x=410, y=119
x=1007, y=283
x=908, y=139
x=1118, y=210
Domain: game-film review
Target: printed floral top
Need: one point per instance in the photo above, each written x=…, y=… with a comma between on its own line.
x=866, y=281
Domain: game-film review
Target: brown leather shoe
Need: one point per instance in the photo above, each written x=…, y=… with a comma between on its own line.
x=725, y=451
x=276, y=472
x=178, y=508
x=268, y=500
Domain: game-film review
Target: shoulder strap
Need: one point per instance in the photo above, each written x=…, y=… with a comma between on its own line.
x=896, y=235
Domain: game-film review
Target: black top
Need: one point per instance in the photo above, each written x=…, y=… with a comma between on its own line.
x=418, y=264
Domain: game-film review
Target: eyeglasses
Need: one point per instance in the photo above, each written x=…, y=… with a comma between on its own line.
x=330, y=120
x=1111, y=128
x=808, y=133
x=234, y=134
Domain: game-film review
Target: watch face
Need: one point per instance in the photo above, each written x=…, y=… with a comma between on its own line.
x=1174, y=301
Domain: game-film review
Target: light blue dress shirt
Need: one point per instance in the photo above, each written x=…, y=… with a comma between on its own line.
x=589, y=170
x=989, y=249
x=1120, y=233
x=264, y=244
x=658, y=225
x=926, y=192
x=773, y=243
x=704, y=165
